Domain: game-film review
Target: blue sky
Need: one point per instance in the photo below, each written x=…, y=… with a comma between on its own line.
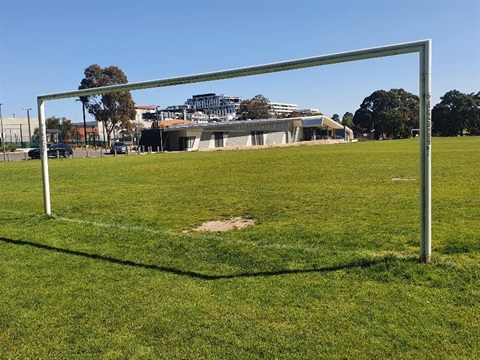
x=46, y=45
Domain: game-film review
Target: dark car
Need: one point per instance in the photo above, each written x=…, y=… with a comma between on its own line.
x=53, y=150
x=118, y=148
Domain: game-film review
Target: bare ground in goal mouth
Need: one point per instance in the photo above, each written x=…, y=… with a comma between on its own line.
x=223, y=225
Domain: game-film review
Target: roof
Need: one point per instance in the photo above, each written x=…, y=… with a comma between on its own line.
x=87, y=123
x=223, y=124
x=175, y=122
x=53, y=131
x=306, y=121
x=316, y=121
x=145, y=107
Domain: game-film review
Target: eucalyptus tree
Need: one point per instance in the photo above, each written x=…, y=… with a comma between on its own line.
x=456, y=114
x=256, y=108
x=347, y=119
x=114, y=110
x=390, y=114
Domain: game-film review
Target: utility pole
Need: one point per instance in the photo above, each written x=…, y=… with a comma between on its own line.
x=84, y=121
x=2, y=135
x=84, y=124
x=21, y=136
x=159, y=123
x=29, y=129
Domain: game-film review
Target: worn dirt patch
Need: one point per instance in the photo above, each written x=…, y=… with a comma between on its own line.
x=223, y=225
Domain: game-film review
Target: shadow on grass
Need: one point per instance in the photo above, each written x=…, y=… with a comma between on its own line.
x=357, y=263
x=12, y=219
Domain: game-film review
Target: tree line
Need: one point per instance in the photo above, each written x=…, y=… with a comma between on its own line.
x=457, y=114
x=394, y=114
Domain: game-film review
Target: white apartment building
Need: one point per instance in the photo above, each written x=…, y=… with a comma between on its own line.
x=221, y=107
x=310, y=112
x=282, y=109
x=142, y=110
x=212, y=107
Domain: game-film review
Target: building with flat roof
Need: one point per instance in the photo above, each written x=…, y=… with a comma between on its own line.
x=18, y=131
x=145, y=112
x=282, y=109
x=191, y=136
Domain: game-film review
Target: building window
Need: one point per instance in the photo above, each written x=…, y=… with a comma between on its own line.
x=218, y=139
x=186, y=142
x=257, y=138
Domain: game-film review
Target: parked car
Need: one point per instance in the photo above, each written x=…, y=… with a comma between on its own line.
x=53, y=150
x=119, y=148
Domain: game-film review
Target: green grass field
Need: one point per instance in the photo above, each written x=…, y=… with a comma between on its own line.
x=330, y=270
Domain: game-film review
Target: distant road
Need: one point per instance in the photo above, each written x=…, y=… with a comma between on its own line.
x=77, y=153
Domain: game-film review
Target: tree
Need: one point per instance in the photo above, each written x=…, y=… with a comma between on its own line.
x=456, y=114
x=294, y=114
x=474, y=121
x=115, y=110
x=390, y=114
x=68, y=130
x=336, y=117
x=347, y=119
x=256, y=108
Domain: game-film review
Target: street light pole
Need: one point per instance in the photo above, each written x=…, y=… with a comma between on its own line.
x=159, y=122
x=2, y=135
x=84, y=124
x=29, y=129
x=21, y=136
x=84, y=121
x=372, y=129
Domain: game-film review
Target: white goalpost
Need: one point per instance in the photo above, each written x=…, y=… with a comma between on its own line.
x=422, y=47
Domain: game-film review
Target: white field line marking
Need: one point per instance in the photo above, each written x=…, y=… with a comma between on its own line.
x=106, y=225
x=152, y=231
x=139, y=228
x=9, y=211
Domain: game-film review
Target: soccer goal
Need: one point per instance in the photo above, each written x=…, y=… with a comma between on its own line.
x=422, y=47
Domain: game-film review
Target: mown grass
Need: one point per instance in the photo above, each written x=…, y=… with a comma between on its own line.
x=330, y=270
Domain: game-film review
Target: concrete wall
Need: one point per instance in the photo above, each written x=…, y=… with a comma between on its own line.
x=275, y=138
x=16, y=129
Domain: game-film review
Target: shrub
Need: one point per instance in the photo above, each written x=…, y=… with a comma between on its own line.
x=10, y=148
